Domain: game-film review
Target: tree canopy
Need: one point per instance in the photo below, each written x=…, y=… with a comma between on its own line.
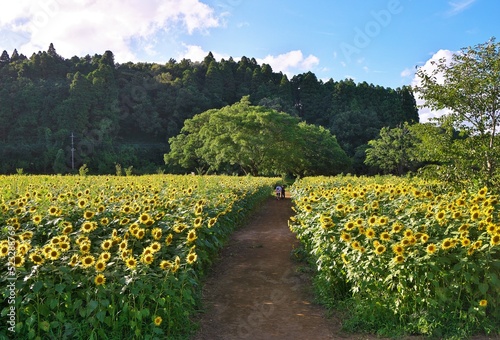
x=126, y=113
x=468, y=86
x=255, y=140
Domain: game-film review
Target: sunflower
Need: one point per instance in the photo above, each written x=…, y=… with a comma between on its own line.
x=383, y=220
x=491, y=229
x=123, y=245
x=54, y=211
x=168, y=239
x=482, y=192
x=106, y=244
x=179, y=228
x=495, y=240
x=88, y=215
x=385, y=236
x=340, y=207
x=23, y=248
x=191, y=237
x=74, y=260
x=159, y=216
x=424, y=238
x=397, y=227
x=64, y=246
x=37, y=219
x=356, y=245
x=27, y=235
x=157, y=320
x=431, y=248
x=46, y=251
x=440, y=216
x=345, y=237
x=177, y=261
x=131, y=263
x=18, y=261
x=398, y=249
x=4, y=250
x=124, y=221
x=465, y=242
x=166, y=265
x=87, y=261
x=447, y=243
x=104, y=221
x=191, y=258
x=85, y=247
x=380, y=249
x=147, y=258
x=105, y=256
x=87, y=227
x=144, y=218
x=483, y=303
x=155, y=247
x=370, y=233
x=478, y=244
x=140, y=233
x=308, y=208
x=36, y=258
x=399, y=259
x=212, y=222
x=68, y=229
x=372, y=220
x=100, y=265
x=198, y=222
x=156, y=232
x=100, y=280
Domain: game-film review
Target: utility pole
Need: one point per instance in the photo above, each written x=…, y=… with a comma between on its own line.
x=72, y=151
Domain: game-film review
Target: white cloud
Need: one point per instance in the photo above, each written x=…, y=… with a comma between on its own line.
x=291, y=62
x=426, y=113
x=458, y=7
x=78, y=27
x=406, y=73
x=197, y=53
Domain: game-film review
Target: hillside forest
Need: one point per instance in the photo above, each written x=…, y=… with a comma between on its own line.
x=57, y=114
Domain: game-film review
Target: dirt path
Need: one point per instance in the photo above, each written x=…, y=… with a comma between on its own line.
x=256, y=292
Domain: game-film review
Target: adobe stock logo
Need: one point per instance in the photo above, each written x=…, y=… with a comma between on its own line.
x=364, y=36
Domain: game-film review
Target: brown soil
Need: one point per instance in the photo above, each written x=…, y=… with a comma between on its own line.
x=258, y=291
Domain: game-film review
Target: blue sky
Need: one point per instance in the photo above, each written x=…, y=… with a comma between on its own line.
x=377, y=41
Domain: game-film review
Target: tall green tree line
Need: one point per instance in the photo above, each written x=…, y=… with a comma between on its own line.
x=57, y=113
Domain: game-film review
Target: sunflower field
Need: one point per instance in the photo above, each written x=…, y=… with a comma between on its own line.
x=402, y=256
x=98, y=257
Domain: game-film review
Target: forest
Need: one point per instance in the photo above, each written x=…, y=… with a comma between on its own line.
x=57, y=114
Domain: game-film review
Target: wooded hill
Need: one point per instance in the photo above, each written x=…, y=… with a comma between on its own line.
x=57, y=114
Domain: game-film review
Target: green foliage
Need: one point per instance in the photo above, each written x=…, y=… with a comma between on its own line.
x=83, y=170
x=392, y=151
x=127, y=112
x=255, y=140
x=404, y=256
x=76, y=282
x=469, y=89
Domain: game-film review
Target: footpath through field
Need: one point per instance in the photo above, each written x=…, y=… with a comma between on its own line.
x=256, y=292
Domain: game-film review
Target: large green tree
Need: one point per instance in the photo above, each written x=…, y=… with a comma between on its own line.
x=468, y=86
x=255, y=140
x=393, y=151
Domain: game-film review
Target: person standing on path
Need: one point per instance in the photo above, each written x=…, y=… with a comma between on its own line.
x=278, y=191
